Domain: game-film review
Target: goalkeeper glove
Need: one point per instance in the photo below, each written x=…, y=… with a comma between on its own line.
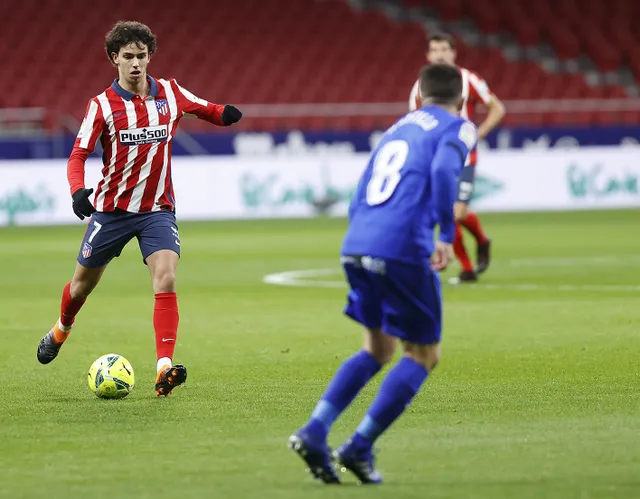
x=82, y=207
x=230, y=115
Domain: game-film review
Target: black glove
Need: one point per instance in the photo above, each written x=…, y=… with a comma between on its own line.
x=230, y=115
x=82, y=207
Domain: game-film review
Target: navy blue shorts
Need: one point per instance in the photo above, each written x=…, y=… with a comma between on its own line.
x=466, y=182
x=108, y=233
x=403, y=300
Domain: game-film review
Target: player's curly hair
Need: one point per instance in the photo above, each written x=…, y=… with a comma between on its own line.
x=125, y=32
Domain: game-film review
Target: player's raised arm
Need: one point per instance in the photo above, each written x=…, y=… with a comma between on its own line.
x=479, y=91
x=448, y=162
x=189, y=104
x=89, y=133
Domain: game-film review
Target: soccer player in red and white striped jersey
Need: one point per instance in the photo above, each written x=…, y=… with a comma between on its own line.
x=441, y=50
x=135, y=120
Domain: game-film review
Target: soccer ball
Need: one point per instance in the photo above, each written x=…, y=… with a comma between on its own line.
x=111, y=377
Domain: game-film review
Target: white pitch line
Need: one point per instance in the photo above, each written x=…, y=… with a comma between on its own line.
x=301, y=278
x=297, y=278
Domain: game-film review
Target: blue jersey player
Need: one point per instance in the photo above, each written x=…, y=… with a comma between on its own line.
x=391, y=262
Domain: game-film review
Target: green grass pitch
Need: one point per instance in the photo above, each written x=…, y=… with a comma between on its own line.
x=537, y=395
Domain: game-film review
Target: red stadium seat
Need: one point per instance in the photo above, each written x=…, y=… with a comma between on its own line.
x=635, y=65
x=628, y=117
x=565, y=42
x=486, y=17
x=515, y=19
x=449, y=9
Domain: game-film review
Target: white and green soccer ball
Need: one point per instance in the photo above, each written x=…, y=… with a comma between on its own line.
x=111, y=377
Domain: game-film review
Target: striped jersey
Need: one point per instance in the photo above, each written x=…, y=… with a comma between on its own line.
x=136, y=134
x=474, y=90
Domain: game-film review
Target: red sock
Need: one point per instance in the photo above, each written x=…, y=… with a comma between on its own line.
x=460, y=251
x=472, y=224
x=69, y=307
x=165, y=323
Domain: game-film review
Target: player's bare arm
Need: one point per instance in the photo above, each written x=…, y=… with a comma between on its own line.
x=496, y=112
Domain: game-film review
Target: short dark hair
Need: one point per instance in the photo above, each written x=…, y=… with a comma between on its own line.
x=441, y=83
x=125, y=32
x=440, y=36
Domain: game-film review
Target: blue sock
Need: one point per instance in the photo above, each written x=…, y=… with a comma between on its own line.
x=397, y=390
x=350, y=378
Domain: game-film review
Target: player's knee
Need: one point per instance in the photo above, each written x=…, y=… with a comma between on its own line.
x=380, y=346
x=164, y=281
x=425, y=355
x=79, y=290
x=383, y=355
x=460, y=211
x=84, y=281
x=162, y=266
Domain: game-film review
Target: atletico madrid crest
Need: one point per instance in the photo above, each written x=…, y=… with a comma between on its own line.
x=162, y=106
x=86, y=250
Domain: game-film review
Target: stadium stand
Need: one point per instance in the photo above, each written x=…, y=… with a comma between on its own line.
x=601, y=30
x=287, y=51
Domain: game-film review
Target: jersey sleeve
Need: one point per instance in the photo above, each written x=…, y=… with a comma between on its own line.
x=479, y=90
x=91, y=127
x=191, y=105
x=451, y=154
x=90, y=131
x=413, y=96
x=462, y=136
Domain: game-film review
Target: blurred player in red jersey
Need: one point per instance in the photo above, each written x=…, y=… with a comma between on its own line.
x=135, y=120
x=441, y=50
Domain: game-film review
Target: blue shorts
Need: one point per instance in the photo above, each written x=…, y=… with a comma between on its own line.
x=402, y=299
x=466, y=183
x=108, y=233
